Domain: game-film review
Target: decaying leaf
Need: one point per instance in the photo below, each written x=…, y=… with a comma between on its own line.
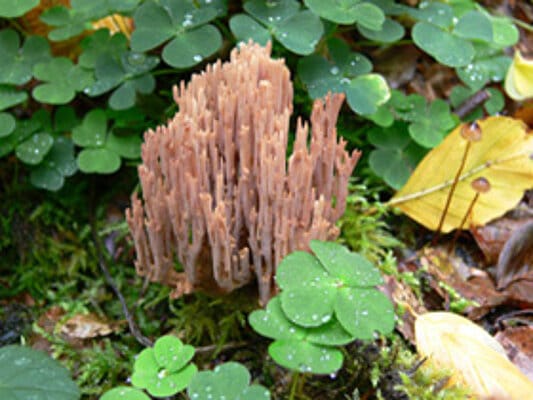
x=519, y=79
x=516, y=259
x=474, y=358
x=496, y=171
x=85, y=326
x=518, y=343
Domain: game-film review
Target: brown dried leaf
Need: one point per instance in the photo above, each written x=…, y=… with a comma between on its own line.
x=518, y=343
x=85, y=326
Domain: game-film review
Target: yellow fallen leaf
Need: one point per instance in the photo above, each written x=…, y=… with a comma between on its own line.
x=475, y=359
x=501, y=160
x=519, y=79
x=115, y=23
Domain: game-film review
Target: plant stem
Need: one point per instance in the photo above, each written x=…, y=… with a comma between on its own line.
x=294, y=385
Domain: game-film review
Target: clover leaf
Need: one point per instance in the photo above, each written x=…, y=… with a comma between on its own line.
x=181, y=22
x=99, y=43
x=492, y=106
x=7, y=124
x=484, y=69
x=10, y=96
x=314, y=289
x=58, y=164
x=23, y=130
x=102, y=149
x=124, y=393
x=504, y=32
x=300, y=348
x=16, y=8
x=432, y=124
x=33, y=150
x=390, y=32
x=26, y=373
x=72, y=21
x=129, y=71
x=296, y=29
x=17, y=63
x=322, y=76
x=62, y=79
x=396, y=155
x=230, y=380
x=474, y=25
x=365, y=14
x=164, y=370
x=367, y=92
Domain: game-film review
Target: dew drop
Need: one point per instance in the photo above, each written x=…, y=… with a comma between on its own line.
x=197, y=58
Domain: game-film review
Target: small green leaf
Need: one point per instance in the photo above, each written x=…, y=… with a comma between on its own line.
x=101, y=161
x=153, y=26
x=369, y=16
x=348, y=268
x=300, y=33
x=305, y=357
x=273, y=322
x=124, y=393
x=126, y=146
x=431, y=127
x=433, y=12
x=59, y=163
x=363, y=312
x=123, y=97
x=171, y=354
x=504, y=32
x=93, y=130
x=330, y=334
x=273, y=12
x=245, y=28
x=340, y=12
x=9, y=96
x=299, y=269
x=191, y=47
x=227, y=381
x=310, y=306
x=16, y=8
x=367, y=92
x=7, y=124
x=26, y=373
x=390, y=32
x=479, y=72
x=495, y=103
x=33, y=150
x=474, y=25
x=46, y=178
x=18, y=63
x=101, y=43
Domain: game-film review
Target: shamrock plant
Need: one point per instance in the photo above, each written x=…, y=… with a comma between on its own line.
x=180, y=23
x=164, y=370
x=102, y=149
x=347, y=72
x=327, y=300
x=230, y=380
x=16, y=8
x=297, y=29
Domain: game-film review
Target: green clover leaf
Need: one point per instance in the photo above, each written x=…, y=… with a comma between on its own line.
x=62, y=79
x=18, y=62
x=26, y=373
x=396, y=155
x=181, y=22
x=322, y=76
x=474, y=25
x=312, y=289
x=432, y=125
x=33, y=150
x=230, y=380
x=164, y=370
x=16, y=8
x=504, y=32
x=365, y=14
x=7, y=124
x=99, y=43
x=10, y=96
x=103, y=150
x=484, y=69
x=124, y=393
x=433, y=12
x=72, y=21
x=297, y=30
x=129, y=71
x=59, y=163
x=390, y=32
x=492, y=106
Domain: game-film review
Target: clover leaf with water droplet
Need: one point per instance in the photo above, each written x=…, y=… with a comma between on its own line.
x=183, y=23
x=364, y=14
x=230, y=380
x=314, y=289
x=124, y=393
x=7, y=124
x=62, y=79
x=102, y=149
x=297, y=29
x=17, y=63
x=10, y=96
x=164, y=370
x=128, y=72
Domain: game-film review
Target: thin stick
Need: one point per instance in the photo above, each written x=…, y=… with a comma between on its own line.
x=134, y=329
x=471, y=103
x=450, y=194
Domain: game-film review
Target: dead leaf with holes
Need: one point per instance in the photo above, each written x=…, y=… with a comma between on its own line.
x=476, y=174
